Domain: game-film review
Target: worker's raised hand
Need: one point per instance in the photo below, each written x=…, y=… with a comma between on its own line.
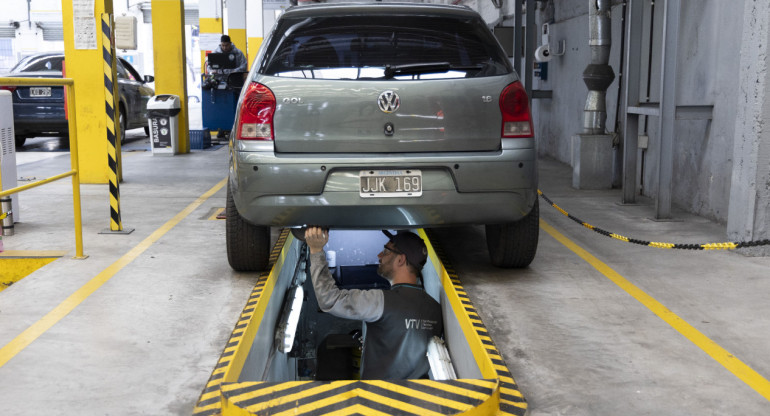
x=316, y=238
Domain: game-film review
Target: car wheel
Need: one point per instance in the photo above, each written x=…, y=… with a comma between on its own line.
x=514, y=245
x=122, y=120
x=146, y=131
x=20, y=140
x=248, y=245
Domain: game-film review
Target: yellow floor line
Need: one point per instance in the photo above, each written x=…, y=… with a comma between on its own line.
x=722, y=356
x=51, y=318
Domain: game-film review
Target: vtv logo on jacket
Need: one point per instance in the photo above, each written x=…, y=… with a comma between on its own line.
x=420, y=324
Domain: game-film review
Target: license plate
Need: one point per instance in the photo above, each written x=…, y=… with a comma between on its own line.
x=390, y=183
x=40, y=92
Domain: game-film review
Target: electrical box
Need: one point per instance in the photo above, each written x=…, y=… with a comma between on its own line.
x=125, y=32
x=8, y=150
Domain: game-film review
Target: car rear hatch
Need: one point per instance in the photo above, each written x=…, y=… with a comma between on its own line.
x=384, y=78
x=338, y=116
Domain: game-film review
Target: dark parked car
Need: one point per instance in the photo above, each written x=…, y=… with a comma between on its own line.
x=382, y=115
x=39, y=111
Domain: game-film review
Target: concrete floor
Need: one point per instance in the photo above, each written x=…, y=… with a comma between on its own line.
x=145, y=334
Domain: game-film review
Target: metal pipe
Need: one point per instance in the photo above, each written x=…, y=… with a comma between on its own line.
x=37, y=183
x=6, y=213
x=75, y=165
x=517, y=35
x=69, y=87
x=600, y=31
x=35, y=81
x=529, y=47
x=598, y=75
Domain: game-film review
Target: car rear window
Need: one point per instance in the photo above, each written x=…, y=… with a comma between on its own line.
x=36, y=64
x=383, y=46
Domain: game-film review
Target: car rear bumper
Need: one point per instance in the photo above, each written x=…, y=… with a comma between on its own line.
x=493, y=187
x=31, y=119
x=348, y=210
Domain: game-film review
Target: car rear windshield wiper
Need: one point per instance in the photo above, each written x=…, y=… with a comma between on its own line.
x=409, y=69
x=412, y=69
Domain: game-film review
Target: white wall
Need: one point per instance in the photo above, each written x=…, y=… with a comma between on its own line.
x=708, y=71
x=29, y=37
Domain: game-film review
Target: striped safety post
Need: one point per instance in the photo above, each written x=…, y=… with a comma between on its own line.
x=113, y=125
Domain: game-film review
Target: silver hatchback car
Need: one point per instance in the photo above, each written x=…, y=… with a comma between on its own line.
x=366, y=116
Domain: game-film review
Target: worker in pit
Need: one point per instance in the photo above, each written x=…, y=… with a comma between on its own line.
x=226, y=46
x=398, y=323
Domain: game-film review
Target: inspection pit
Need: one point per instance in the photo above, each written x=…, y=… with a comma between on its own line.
x=278, y=362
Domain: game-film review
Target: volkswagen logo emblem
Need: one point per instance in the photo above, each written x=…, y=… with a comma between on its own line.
x=388, y=102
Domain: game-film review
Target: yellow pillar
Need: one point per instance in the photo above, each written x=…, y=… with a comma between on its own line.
x=210, y=21
x=83, y=44
x=236, y=25
x=168, y=51
x=254, y=29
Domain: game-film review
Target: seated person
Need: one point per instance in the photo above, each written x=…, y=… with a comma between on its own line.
x=226, y=46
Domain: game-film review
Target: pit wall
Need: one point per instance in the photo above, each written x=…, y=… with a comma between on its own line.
x=263, y=363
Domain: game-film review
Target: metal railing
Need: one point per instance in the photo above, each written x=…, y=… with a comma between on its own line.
x=69, y=89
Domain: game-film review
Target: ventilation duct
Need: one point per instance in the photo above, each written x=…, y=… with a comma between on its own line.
x=598, y=75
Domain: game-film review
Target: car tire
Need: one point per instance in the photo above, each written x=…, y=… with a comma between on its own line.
x=513, y=245
x=20, y=140
x=248, y=245
x=146, y=131
x=123, y=124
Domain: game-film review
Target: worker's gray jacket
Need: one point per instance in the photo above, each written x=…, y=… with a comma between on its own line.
x=241, y=64
x=398, y=322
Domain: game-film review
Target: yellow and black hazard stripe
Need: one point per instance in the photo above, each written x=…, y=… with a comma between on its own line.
x=210, y=401
x=706, y=246
x=512, y=402
x=364, y=397
x=113, y=127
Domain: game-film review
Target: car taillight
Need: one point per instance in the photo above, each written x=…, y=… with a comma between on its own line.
x=255, y=118
x=10, y=88
x=514, y=106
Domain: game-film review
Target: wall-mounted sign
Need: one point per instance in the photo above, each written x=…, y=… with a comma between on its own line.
x=209, y=41
x=84, y=24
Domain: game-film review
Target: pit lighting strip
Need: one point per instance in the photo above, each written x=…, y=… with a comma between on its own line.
x=494, y=394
